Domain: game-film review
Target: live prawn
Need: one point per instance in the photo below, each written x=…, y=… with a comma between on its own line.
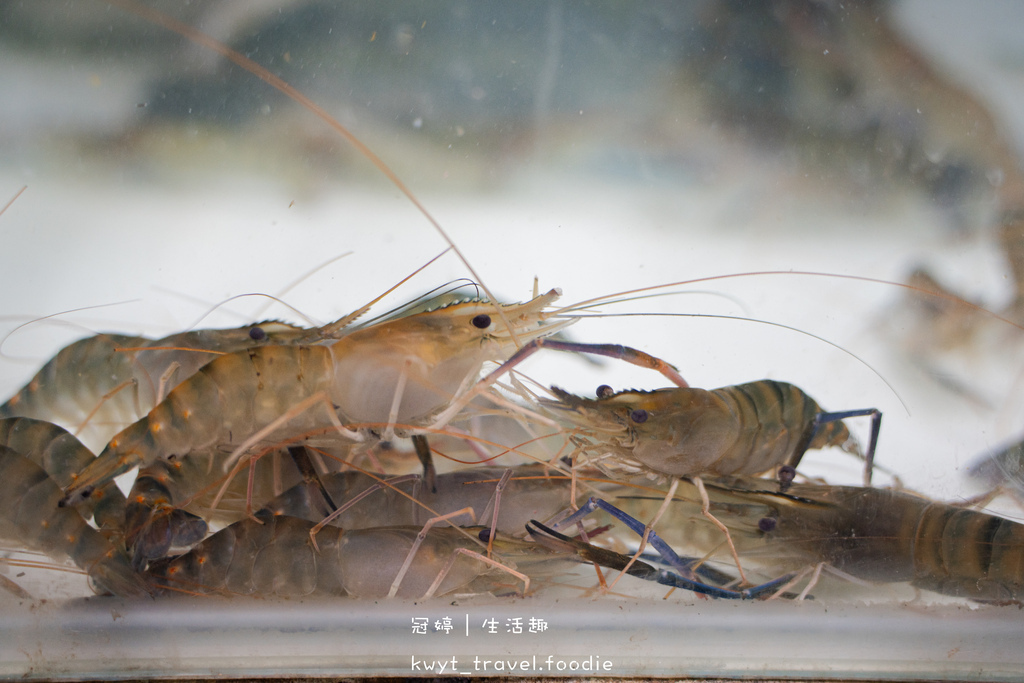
x=274, y=555
x=397, y=372
x=386, y=414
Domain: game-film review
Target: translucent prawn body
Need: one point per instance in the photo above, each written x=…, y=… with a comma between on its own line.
x=883, y=536
x=275, y=556
x=385, y=376
x=432, y=354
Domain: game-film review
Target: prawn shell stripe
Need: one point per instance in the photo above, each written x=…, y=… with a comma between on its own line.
x=888, y=536
x=57, y=392
x=272, y=556
x=969, y=554
x=236, y=394
x=776, y=417
x=743, y=429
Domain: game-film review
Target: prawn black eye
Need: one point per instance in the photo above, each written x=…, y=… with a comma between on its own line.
x=639, y=416
x=767, y=524
x=484, y=535
x=604, y=391
x=482, y=321
x=257, y=334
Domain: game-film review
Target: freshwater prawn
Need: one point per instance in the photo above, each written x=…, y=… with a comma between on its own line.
x=688, y=432
x=748, y=428
x=883, y=535
x=862, y=534
x=396, y=372
x=274, y=555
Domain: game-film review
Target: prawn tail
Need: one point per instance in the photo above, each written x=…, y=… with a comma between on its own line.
x=852, y=446
x=152, y=532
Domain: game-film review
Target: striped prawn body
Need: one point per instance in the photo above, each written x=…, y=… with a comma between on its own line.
x=30, y=516
x=885, y=536
x=743, y=429
x=100, y=384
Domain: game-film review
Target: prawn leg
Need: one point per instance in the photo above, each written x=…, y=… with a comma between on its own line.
x=815, y=573
x=626, y=353
x=496, y=502
x=419, y=441
x=684, y=567
x=633, y=567
x=380, y=485
x=705, y=509
x=477, y=556
x=300, y=456
x=649, y=535
x=420, y=537
x=823, y=418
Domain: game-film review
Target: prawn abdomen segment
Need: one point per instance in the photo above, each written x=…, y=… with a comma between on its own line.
x=237, y=394
x=369, y=559
x=780, y=425
x=56, y=394
x=969, y=554
x=285, y=376
x=227, y=401
x=288, y=565
x=775, y=420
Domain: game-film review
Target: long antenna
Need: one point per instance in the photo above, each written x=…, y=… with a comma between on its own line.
x=200, y=38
